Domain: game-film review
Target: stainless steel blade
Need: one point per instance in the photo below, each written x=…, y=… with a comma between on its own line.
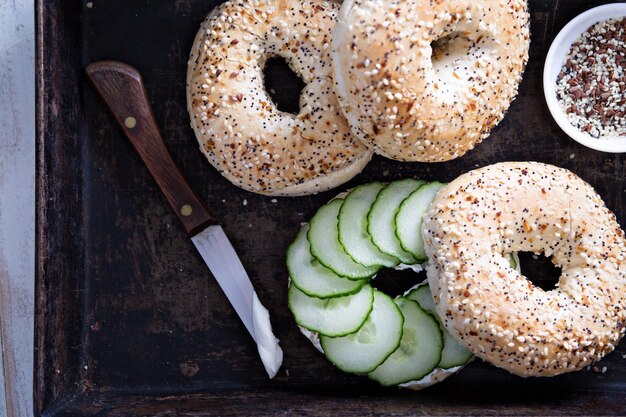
x=222, y=260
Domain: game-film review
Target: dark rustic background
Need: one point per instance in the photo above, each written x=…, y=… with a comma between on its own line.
x=129, y=320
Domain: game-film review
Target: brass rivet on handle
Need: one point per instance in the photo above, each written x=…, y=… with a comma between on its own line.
x=130, y=122
x=186, y=210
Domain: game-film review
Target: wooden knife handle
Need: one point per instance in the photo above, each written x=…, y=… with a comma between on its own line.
x=122, y=89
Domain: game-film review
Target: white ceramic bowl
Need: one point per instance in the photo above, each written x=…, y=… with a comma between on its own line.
x=554, y=62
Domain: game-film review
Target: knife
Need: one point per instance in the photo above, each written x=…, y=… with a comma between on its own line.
x=122, y=89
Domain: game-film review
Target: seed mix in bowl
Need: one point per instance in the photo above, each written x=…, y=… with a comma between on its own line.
x=591, y=86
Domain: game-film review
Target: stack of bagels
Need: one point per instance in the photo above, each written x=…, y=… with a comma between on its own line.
x=410, y=80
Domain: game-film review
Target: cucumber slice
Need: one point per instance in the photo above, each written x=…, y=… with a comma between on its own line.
x=381, y=224
x=514, y=261
x=419, y=351
x=422, y=295
x=409, y=219
x=380, y=336
x=313, y=278
x=337, y=316
x=353, y=234
x=323, y=236
x=453, y=354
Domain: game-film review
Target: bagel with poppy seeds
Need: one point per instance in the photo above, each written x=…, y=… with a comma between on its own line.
x=496, y=312
x=241, y=132
x=426, y=81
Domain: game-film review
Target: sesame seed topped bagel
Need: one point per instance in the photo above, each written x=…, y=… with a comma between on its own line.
x=496, y=312
x=240, y=130
x=422, y=80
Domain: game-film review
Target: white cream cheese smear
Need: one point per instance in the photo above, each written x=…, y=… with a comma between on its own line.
x=269, y=350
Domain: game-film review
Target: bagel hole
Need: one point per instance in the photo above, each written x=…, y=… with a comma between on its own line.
x=450, y=45
x=395, y=283
x=283, y=85
x=539, y=270
x=450, y=55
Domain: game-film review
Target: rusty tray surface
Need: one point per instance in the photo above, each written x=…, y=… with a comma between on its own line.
x=129, y=321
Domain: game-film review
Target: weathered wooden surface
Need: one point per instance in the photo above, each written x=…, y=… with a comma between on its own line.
x=17, y=205
x=127, y=312
x=303, y=403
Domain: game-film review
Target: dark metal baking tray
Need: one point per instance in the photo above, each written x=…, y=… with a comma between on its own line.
x=128, y=320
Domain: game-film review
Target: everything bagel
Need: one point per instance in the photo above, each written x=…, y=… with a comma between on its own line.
x=240, y=130
x=426, y=81
x=493, y=310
